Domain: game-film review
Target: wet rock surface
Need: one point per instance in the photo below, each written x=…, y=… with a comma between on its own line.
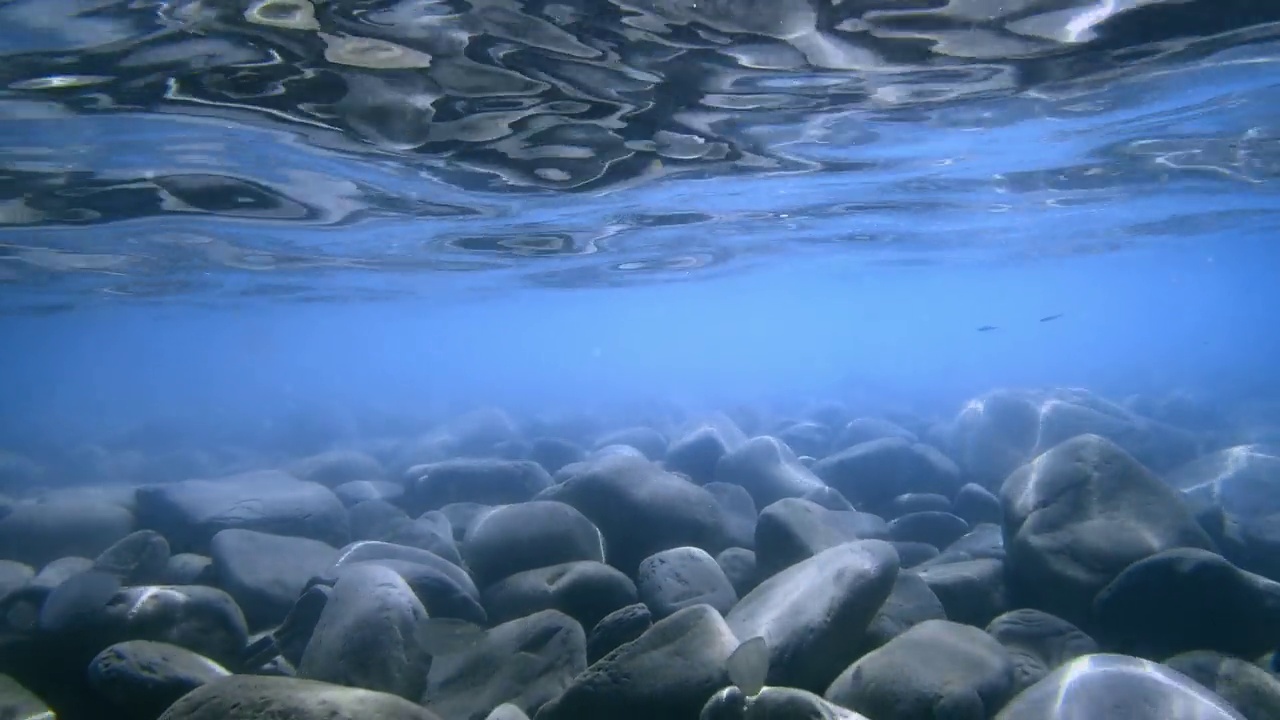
x=675, y=570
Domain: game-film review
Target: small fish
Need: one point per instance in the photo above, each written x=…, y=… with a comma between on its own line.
x=1048, y=318
x=988, y=328
x=448, y=636
x=749, y=666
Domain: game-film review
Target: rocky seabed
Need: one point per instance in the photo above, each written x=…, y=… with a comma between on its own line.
x=1040, y=555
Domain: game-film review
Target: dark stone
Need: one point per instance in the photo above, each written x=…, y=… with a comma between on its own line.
x=826, y=496
x=738, y=510
x=554, y=453
x=938, y=529
x=475, y=480
x=814, y=612
x=668, y=672
x=191, y=512
x=38, y=532
x=872, y=473
x=367, y=550
x=641, y=509
x=739, y=565
x=1116, y=686
x=1188, y=599
x=768, y=469
x=336, y=467
x=792, y=530
x=917, y=502
x=358, y=491
x=911, y=554
x=1247, y=687
x=910, y=603
x=188, y=569
x=265, y=573
x=976, y=504
x=936, y=669
x=583, y=590
x=806, y=438
x=141, y=678
x=696, y=454
x=139, y=558
x=253, y=697
x=514, y=538
x=14, y=575
x=1039, y=643
x=1079, y=515
x=462, y=516
x=972, y=591
x=651, y=443
x=367, y=636
x=618, y=627
x=374, y=519
x=861, y=430
x=526, y=662
x=431, y=532
x=674, y=579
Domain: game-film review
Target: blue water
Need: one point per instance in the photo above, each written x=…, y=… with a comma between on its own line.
x=210, y=219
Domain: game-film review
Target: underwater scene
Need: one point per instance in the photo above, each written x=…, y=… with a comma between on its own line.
x=639, y=360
